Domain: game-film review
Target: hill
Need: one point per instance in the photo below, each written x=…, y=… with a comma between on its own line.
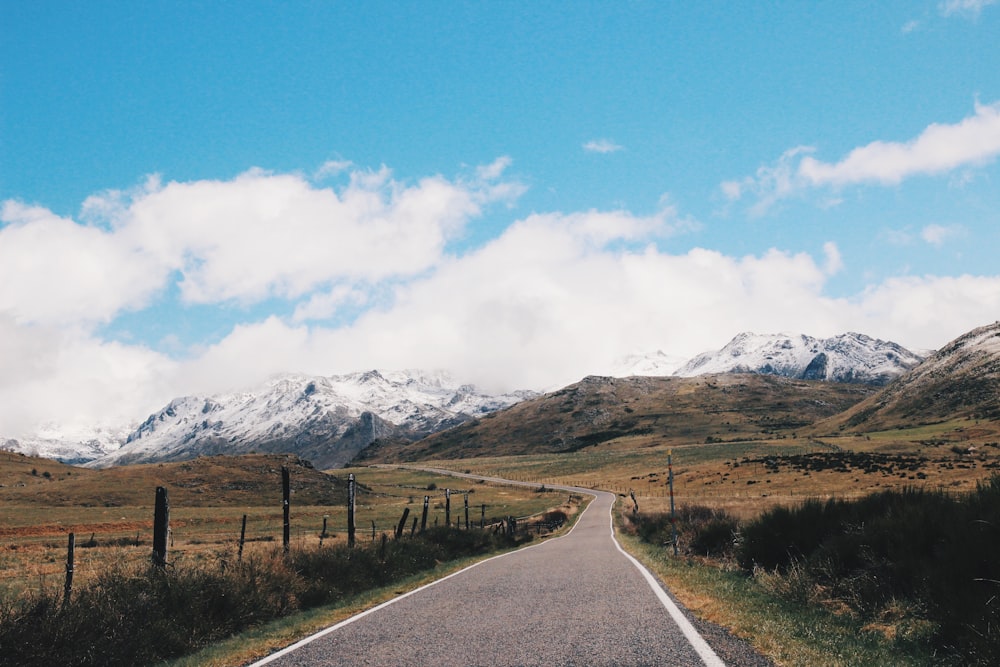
x=203, y=482
x=636, y=412
x=960, y=381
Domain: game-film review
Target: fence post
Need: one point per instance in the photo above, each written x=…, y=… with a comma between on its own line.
x=673, y=514
x=350, y=509
x=413, y=526
x=286, y=491
x=161, y=524
x=423, y=517
x=243, y=539
x=68, y=589
x=466, y=510
x=447, y=508
x=402, y=522
x=482, y=517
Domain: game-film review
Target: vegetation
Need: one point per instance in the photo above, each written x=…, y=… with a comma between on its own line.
x=916, y=564
x=135, y=614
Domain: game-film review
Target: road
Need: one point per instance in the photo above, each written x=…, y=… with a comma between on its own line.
x=574, y=600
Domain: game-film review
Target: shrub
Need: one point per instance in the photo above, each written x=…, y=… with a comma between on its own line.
x=921, y=549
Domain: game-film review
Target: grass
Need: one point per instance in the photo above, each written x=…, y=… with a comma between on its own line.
x=788, y=633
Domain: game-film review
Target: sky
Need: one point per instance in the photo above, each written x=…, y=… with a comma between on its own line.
x=195, y=196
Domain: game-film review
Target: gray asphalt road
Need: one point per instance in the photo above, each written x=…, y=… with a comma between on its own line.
x=575, y=600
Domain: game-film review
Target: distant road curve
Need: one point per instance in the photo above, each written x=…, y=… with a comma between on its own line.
x=579, y=599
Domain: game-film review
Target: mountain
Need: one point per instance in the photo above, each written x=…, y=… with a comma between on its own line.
x=635, y=412
x=652, y=364
x=69, y=446
x=326, y=420
x=961, y=380
x=850, y=357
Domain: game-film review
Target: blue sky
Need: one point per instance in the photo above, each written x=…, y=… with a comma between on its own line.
x=198, y=194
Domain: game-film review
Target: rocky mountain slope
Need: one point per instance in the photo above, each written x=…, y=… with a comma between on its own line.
x=636, y=412
x=850, y=357
x=961, y=380
x=326, y=420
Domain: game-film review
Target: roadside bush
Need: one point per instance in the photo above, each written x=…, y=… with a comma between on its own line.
x=701, y=530
x=136, y=614
x=932, y=553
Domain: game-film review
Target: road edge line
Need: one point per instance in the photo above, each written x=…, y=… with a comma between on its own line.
x=698, y=643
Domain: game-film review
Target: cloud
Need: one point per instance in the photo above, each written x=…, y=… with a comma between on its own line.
x=937, y=235
x=258, y=236
x=940, y=148
x=967, y=8
x=910, y=26
x=55, y=271
x=602, y=146
x=363, y=280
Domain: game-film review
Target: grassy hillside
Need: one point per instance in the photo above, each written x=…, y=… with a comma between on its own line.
x=637, y=412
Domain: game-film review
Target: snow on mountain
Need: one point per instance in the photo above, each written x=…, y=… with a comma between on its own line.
x=850, y=357
x=69, y=446
x=961, y=380
x=327, y=420
x=656, y=364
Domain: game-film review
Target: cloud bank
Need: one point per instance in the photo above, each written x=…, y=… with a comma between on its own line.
x=555, y=296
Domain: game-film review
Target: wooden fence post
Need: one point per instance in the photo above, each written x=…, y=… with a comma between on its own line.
x=243, y=538
x=413, y=526
x=68, y=589
x=423, y=517
x=482, y=517
x=447, y=508
x=351, y=484
x=402, y=522
x=466, y=510
x=286, y=491
x=161, y=525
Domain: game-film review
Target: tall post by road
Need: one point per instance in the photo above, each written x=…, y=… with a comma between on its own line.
x=286, y=492
x=673, y=513
x=161, y=526
x=350, y=509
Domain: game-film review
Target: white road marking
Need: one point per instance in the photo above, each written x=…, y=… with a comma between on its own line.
x=698, y=643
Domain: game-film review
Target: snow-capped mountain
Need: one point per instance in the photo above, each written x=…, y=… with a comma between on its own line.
x=850, y=357
x=68, y=445
x=327, y=420
x=656, y=364
x=961, y=380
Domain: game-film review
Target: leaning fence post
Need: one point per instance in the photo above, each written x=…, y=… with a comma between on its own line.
x=402, y=522
x=68, y=589
x=243, y=538
x=351, y=484
x=161, y=525
x=423, y=517
x=285, y=498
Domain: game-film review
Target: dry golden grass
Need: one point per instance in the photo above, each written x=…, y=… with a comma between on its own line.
x=111, y=511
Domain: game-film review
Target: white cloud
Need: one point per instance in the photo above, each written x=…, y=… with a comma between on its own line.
x=602, y=146
x=940, y=148
x=55, y=271
x=968, y=8
x=556, y=296
x=834, y=262
x=910, y=26
x=324, y=305
x=937, y=235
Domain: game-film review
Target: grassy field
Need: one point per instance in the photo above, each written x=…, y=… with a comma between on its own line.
x=749, y=477
x=111, y=512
